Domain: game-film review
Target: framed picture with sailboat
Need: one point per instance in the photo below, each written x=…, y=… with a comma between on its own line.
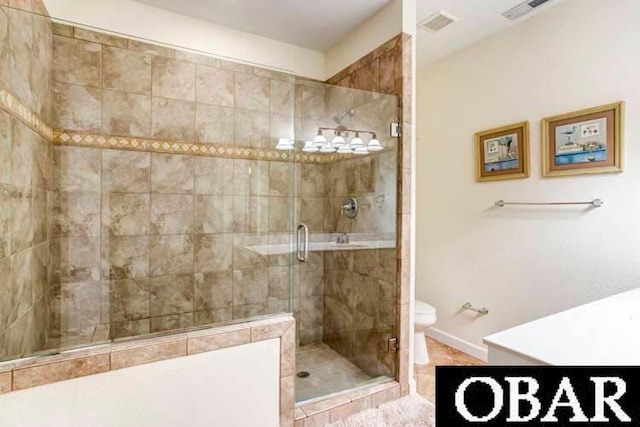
x=502, y=153
x=584, y=142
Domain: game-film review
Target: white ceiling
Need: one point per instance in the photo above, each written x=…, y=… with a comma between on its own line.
x=314, y=24
x=477, y=19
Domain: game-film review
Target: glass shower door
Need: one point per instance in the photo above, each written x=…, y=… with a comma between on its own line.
x=344, y=288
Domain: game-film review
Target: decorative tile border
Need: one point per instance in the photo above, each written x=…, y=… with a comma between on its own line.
x=21, y=111
x=83, y=139
x=38, y=371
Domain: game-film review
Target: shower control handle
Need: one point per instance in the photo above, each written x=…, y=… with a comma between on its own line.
x=303, y=242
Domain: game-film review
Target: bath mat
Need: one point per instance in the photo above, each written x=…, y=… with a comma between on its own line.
x=411, y=411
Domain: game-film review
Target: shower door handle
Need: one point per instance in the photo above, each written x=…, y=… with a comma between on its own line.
x=303, y=242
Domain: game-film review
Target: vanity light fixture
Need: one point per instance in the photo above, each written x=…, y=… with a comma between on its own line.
x=327, y=149
x=360, y=150
x=338, y=141
x=319, y=140
x=345, y=149
x=284, y=144
x=310, y=147
x=357, y=141
x=374, y=144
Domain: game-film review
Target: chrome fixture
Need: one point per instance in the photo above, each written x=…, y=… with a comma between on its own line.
x=303, y=242
x=343, y=239
x=349, y=207
x=596, y=203
x=468, y=306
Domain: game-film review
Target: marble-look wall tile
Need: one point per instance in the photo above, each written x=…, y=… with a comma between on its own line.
x=171, y=214
x=212, y=252
x=126, y=114
x=208, y=317
x=213, y=291
x=312, y=212
x=22, y=155
x=129, y=328
x=21, y=284
x=5, y=50
x=76, y=214
x=214, y=124
x=76, y=107
x=125, y=257
x=249, y=287
x=250, y=214
x=77, y=169
x=171, y=295
x=280, y=179
x=171, y=173
x=251, y=128
x=151, y=49
x=279, y=282
x=172, y=347
x=172, y=322
x=196, y=58
x=173, y=119
x=173, y=79
x=75, y=259
x=280, y=214
x=40, y=215
x=126, y=70
x=225, y=337
x=252, y=92
x=312, y=180
x=126, y=172
x=125, y=214
x=129, y=299
x=281, y=98
x=214, y=175
x=250, y=178
x=244, y=258
x=213, y=214
x=53, y=372
x=5, y=145
x=77, y=62
x=79, y=306
x=22, y=229
x=215, y=86
x=102, y=38
x=6, y=204
x=170, y=254
x=21, y=66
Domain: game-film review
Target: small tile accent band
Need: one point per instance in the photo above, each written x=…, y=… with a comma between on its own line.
x=22, y=112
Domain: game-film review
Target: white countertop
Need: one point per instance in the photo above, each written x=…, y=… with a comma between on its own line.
x=604, y=332
x=283, y=244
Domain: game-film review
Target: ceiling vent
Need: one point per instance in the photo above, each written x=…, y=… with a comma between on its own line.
x=523, y=8
x=437, y=21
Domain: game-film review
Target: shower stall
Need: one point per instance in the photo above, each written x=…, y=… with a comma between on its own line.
x=149, y=189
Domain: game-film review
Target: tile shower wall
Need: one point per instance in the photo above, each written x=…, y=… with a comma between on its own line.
x=362, y=287
x=26, y=182
x=148, y=242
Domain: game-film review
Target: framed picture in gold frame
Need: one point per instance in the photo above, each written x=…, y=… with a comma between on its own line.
x=588, y=141
x=502, y=153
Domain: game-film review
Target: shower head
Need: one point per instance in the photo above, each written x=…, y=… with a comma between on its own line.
x=340, y=118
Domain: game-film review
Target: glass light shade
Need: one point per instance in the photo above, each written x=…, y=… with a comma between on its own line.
x=319, y=140
x=284, y=144
x=374, y=145
x=360, y=150
x=345, y=149
x=338, y=141
x=327, y=148
x=356, y=142
x=309, y=147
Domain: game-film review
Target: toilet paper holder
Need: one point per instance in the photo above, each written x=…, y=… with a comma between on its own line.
x=469, y=306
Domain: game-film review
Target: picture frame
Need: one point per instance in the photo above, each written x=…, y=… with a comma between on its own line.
x=588, y=141
x=502, y=153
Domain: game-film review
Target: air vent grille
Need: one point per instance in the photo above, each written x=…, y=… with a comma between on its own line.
x=437, y=21
x=523, y=9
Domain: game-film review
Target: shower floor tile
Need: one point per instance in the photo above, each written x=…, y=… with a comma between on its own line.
x=329, y=372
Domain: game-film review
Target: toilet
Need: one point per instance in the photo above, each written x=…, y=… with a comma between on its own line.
x=425, y=317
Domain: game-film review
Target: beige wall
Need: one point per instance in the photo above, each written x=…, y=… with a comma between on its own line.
x=524, y=263
x=124, y=17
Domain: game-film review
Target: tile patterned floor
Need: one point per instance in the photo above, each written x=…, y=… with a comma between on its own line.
x=440, y=355
x=329, y=372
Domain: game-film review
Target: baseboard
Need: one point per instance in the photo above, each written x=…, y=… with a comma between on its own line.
x=459, y=344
